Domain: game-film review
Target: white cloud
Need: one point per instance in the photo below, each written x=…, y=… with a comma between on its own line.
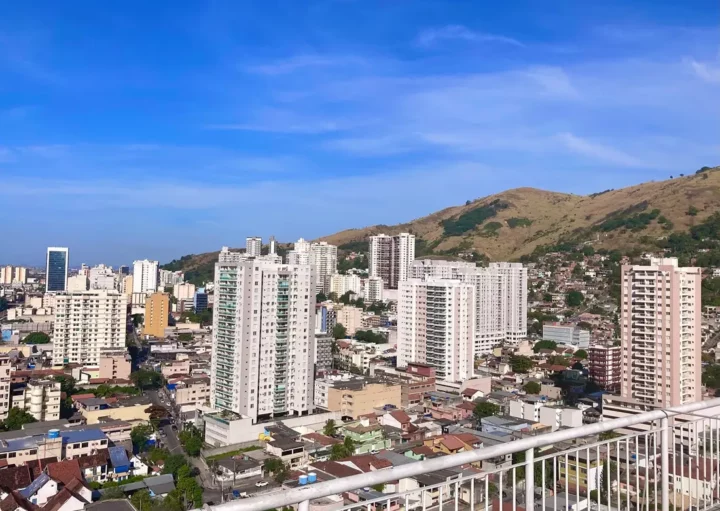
x=298, y=62
x=599, y=151
x=706, y=72
x=432, y=36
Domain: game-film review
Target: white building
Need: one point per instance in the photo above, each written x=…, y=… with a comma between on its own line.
x=341, y=284
x=660, y=332
x=374, y=287
x=324, y=258
x=436, y=326
x=101, y=277
x=145, y=276
x=167, y=278
x=253, y=246
x=87, y=323
x=300, y=254
x=500, y=297
x=391, y=257
x=13, y=275
x=184, y=291
x=568, y=334
x=77, y=283
x=263, y=337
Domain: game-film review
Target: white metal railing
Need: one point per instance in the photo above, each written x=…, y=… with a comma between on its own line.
x=666, y=458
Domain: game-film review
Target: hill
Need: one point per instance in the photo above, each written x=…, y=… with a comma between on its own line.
x=516, y=222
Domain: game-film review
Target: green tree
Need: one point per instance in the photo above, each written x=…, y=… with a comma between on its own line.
x=15, y=419
x=574, y=298
x=138, y=319
x=343, y=450
x=193, y=446
x=320, y=297
x=520, y=364
x=37, y=338
x=485, y=409
x=693, y=211
x=139, y=436
x=333, y=297
x=608, y=435
x=339, y=331
x=581, y=354
x=112, y=493
x=67, y=384
x=147, y=379
x=185, y=337
x=330, y=428
x=141, y=500
x=378, y=487
x=173, y=463
x=3, y=304
x=544, y=345
x=532, y=387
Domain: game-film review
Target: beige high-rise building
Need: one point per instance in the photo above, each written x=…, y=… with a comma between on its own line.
x=350, y=317
x=126, y=285
x=661, y=333
x=86, y=324
x=157, y=309
x=6, y=275
x=184, y=291
x=391, y=257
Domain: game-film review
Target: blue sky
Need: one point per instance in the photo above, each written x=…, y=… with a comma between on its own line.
x=155, y=129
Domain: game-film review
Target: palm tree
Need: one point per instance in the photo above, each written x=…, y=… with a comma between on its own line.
x=330, y=428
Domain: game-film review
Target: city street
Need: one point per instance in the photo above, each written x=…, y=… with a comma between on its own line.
x=170, y=440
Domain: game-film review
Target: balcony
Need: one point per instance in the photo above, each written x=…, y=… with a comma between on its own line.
x=650, y=470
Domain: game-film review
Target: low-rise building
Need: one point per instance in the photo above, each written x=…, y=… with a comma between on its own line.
x=96, y=410
x=39, y=397
x=567, y=333
x=356, y=396
x=189, y=391
x=115, y=364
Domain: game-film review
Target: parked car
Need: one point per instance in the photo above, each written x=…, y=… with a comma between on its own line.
x=260, y=484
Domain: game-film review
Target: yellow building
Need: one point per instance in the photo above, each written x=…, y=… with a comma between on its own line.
x=359, y=398
x=157, y=309
x=587, y=464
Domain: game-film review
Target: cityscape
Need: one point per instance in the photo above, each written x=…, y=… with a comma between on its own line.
x=360, y=255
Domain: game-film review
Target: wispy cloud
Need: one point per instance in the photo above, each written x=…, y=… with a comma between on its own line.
x=707, y=72
x=431, y=36
x=600, y=152
x=299, y=62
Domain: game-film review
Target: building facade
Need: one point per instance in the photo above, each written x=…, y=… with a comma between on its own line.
x=253, y=246
x=374, y=289
x=56, y=270
x=605, y=366
x=184, y=291
x=86, y=324
x=145, y=276
x=567, y=334
x=660, y=331
x=263, y=337
x=350, y=317
x=157, y=311
x=436, y=326
x=324, y=257
x=391, y=257
x=341, y=284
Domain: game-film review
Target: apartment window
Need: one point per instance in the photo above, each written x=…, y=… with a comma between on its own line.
x=12, y=455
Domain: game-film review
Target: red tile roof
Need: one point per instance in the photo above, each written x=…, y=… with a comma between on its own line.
x=60, y=499
x=400, y=416
x=15, y=478
x=368, y=462
x=469, y=392
x=466, y=405
x=322, y=439
x=468, y=438
x=452, y=443
x=37, y=466
x=77, y=397
x=335, y=469
x=94, y=460
x=65, y=471
x=16, y=501
x=423, y=450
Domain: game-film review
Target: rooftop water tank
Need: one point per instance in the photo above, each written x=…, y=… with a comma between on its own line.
x=312, y=477
x=303, y=480
x=54, y=433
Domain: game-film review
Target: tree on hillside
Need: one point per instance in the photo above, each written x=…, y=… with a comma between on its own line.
x=37, y=338
x=574, y=298
x=339, y=331
x=532, y=387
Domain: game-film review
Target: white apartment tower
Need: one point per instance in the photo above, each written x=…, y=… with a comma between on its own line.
x=263, y=337
x=324, y=258
x=300, y=254
x=145, y=276
x=253, y=246
x=661, y=333
x=500, y=297
x=391, y=257
x=86, y=324
x=436, y=326
x=374, y=289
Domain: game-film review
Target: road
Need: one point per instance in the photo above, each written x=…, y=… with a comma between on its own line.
x=170, y=438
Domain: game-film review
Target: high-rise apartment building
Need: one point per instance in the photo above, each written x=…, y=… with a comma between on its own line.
x=341, y=284
x=86, y=324
x=184, y=291
x=56, y=269
x=660, y=332
x=324, y=258
x=263, y=337
x=391, y=257
x=13, y=275
x=436, y=326
x=167, y=278
x=300, y=254
x=605, y=366
x=6, y=275
x=253, y=246
x=374, y=289
x=157, y=311
x=77, y=283
x=500, y=297
x=145, y=276
x=102, y=277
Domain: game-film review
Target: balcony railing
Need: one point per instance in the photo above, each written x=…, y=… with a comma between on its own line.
x=665, y=458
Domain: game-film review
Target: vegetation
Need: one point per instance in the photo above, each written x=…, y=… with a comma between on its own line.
x=532, y=387
x=343, y=450
x=608, y=435
x=485, y=409
x=320, y=297
x=355, y=246
x=147, y=379
x=471, y=219
x=692, y=211
x=330, y=428
x=230, y=454
x=574, y=298
x=191, y=439
x=4, y=305
x=490, y=229
x=520, y=364
x=139, y=435
x=370, y=336
x=37, y=338
x=544, y=345
x=519, y=222
x=105, y=390
x=185, y=337
x=277, y=469
x=203, y=318
x=581, y=354
x=15, y=420
x=339, y=331
x=711, y=376
x=359, y=262
x=629, y=219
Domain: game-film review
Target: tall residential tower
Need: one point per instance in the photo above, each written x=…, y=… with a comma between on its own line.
x=391, y=257
x=56, y=273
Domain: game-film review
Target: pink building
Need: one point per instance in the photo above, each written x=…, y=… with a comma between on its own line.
x=115, y=365
x=661, y=333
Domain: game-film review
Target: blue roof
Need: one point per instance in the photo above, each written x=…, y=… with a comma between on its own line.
x=33, y=488
x=83, y=435
x=118, y=457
